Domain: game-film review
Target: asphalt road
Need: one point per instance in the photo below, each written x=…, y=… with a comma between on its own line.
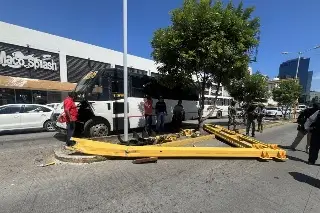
x=38, y=137
x=189, y=185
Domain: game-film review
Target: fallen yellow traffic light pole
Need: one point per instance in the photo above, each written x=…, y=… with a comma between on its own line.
x=246, y=148
x=236, y=139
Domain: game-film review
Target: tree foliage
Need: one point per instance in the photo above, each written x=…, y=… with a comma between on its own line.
x=287, y=93
x=251, y=88
x=206, y=43
x=315, y=100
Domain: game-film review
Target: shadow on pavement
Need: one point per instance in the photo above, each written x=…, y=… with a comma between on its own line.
x=296, y=159
x=305, y=179
x=23, y=131
x=60, y=137
x=284, y=147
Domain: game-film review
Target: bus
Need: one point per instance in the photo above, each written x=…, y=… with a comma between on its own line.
x=101, y=104
x=221, y=109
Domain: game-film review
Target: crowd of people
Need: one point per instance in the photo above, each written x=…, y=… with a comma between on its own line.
x=161, y=112
x=254, y=113
x=308, y=125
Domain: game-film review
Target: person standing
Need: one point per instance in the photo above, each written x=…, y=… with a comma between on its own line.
x=71, y=113
x=161, y=112
x=244, y=113
x=232, y=115
x=302, y=118
x=260, y=118
x=251, y=117
x=178, y=116
x=313, y=125
x=148, y=114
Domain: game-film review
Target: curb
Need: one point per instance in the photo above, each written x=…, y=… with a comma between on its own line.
x=71, y=157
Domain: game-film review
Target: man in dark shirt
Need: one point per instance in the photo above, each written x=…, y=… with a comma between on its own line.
x=251, y=119
x=304, y=115
x=178, y=116
x=161, y=112
x=232, y=112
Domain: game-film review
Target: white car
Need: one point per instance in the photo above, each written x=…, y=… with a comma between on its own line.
x=273, y=112
x=25, y=116
x=301, y=107
x=53, y=105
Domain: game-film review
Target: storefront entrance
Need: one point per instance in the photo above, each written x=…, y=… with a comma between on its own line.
x=14, y=90
x=20, y=96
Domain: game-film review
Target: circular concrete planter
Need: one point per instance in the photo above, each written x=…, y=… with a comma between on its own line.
x=72, y=157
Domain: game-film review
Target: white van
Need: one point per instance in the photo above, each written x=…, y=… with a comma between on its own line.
x=301, y=107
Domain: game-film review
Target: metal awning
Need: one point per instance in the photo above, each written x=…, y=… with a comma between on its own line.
x=35, y=84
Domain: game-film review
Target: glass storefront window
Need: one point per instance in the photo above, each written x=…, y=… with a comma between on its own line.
x=23, y=96
x=20, y=96
x=7, y=96
x=39, y=97
x=54, y=97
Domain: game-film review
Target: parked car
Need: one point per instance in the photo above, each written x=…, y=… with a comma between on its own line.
x=301, y=107
x=273, y=112
x=26, y=116
x=240, y=112
x=276, y=112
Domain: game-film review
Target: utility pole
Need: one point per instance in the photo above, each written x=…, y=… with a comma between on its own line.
x=125, y=70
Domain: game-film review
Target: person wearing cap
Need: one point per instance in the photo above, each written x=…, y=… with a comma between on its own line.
x=71, y=114
x=161, y=112
x=302, y=118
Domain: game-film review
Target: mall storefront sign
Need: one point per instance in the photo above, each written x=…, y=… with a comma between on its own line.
x=18, y=60
x=26, y=62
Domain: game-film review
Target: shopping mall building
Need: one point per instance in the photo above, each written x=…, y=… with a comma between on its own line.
x=37, y=67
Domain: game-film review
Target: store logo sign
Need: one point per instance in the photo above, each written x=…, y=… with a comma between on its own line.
x=19, y=60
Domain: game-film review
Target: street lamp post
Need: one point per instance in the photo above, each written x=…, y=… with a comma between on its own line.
x=297, y=70
x=125, y=71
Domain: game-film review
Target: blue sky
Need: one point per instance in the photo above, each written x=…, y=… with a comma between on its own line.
x=286, y=25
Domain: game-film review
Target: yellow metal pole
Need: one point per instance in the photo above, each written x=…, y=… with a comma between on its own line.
x=115, y=150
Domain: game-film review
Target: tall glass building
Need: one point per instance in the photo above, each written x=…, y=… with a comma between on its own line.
x=288, y=70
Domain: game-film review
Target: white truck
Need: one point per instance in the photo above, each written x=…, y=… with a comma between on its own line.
x=101, y=104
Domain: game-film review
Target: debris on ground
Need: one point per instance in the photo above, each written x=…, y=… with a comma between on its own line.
x=145, y=160
x=47, y=164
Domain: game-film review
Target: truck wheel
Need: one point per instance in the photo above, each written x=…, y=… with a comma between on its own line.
x=219, y=115
x=96, y=128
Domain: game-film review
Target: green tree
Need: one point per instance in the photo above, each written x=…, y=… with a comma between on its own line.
x=286, y=94
x=251, y=88
x=206, y=43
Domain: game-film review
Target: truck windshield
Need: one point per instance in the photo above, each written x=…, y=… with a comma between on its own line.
x=87, y=83
x=99, y=86
x=89, y=87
